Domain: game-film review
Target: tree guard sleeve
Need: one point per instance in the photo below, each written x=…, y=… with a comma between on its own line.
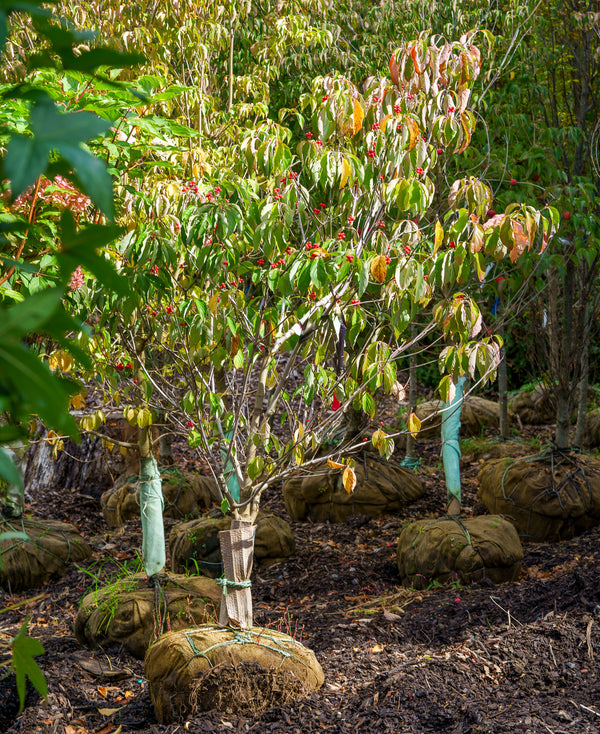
x=151, y=507
x=450, y=444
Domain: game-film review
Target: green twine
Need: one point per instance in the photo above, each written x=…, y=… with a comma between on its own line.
x=244, y=637
x=227, y=584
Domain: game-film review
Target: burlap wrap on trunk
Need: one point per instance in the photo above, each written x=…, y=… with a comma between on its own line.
x=548, y=497
x=50, y=546
x=381, y=487
x=234, y=671
x=476, y=415
x=134, y=613
x=534, y=407
x=194, y=546
x=457, y=549
x=185, y=496
x=237, y=551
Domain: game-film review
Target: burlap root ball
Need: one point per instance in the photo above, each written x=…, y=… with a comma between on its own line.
x=381, y=487
x=134, y=613
x=476, y=415
x=464, y=550
x=194, y=546
x=548, y=497
x=234, y=671
x=185, y=496
x=49, y=547
x=535, y=406
x=591, y=435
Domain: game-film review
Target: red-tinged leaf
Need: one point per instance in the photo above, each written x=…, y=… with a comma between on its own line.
x=464, y=121
x=394, y=70
x=494, y=221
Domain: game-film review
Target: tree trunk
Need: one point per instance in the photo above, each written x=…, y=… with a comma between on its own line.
x=411, y=450
x=502, y=383
x=583, y=395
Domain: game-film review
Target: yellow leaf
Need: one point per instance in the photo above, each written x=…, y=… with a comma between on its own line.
x=144, y=418
x=299, y=432
x=131, y=415
x=346, y=170
x=357, y=116
x=335, y=464
x=212, y=304
x=299, y=454
x=377, y=648
x=439, y=236
x=385, y=121
x=379, y=268
x=108, y=712
x=108, y=445
x=349, y=480
x=117, y=397
x=78, y=401
x=414, y=425
x=171, y=189
x=378, y=438
x=61, y=360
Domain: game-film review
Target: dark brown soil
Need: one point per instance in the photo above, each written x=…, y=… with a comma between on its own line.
x=521, y=657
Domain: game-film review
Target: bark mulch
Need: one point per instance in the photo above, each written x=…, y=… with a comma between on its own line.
x=520, y=657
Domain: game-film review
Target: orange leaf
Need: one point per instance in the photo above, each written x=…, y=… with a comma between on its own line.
x=379, y=268
x=335, y=464
x=413, y=130
x=521, y=241
x=102, y=690
x=413, y=53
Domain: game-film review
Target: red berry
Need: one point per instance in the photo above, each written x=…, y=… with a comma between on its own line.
x=491, y=213
x=440, y=151
x=566, y=216
x=513, y=181
x=536, y=177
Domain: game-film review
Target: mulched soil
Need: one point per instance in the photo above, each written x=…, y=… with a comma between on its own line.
x=520, y=657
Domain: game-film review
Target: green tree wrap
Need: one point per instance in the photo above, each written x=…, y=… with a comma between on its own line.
x=450, y=444
x=230, y=476
x=151, y=506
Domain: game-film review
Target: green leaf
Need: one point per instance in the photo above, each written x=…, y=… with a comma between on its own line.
x=25, y=159
x=224, y=505
x=24, y=649
x=29, y=315
x=363, y=278
x=9, y=471
x=69, y=128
